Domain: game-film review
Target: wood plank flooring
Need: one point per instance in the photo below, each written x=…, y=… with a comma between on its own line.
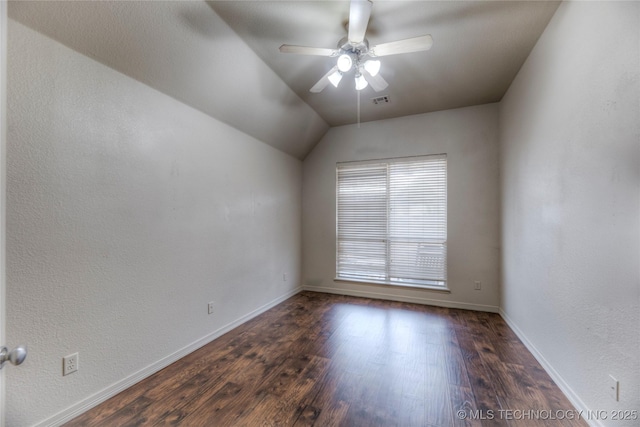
x=329, y=360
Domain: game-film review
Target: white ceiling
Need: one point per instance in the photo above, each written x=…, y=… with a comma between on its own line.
x=191, y=51
x=479, y=46
x=185, y=50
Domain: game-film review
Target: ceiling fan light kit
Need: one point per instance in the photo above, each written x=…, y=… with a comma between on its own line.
x=372, y=66
x=361, y=82
x=335, y=78
x=344, y=62
x=353, y=52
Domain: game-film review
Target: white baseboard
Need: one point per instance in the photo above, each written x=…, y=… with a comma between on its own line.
x=416, y=300
x=555, y=376
x=110, y=391
x=84, y=405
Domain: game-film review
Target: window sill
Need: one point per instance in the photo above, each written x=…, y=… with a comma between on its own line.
x=441, y=289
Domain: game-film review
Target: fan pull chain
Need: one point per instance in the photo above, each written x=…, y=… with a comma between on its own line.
x=358, y=92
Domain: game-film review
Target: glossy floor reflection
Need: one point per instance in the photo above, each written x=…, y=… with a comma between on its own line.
x=329, y=360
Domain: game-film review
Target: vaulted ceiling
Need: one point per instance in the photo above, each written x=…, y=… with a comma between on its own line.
x=222, y=58
x=478, y=48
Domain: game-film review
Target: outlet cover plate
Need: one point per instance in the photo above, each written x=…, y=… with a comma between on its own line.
x=70, y=364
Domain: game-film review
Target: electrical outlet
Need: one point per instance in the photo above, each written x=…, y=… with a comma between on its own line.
x=478, y=285
x=69, y=364
x=210, y=307
x=614, y=388
x=284, y=277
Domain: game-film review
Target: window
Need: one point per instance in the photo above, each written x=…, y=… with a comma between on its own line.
x=392, y=221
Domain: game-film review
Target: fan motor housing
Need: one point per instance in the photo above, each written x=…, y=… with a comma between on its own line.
x=359, y=49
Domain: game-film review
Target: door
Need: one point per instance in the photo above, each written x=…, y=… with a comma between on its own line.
x=11, y=356
x=3, y=135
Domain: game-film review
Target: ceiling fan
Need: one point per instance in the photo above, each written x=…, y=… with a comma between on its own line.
x=354, y=53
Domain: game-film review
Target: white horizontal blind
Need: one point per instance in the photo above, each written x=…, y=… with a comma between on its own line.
x=362, y=221
x=392, y=221
x=418, y=220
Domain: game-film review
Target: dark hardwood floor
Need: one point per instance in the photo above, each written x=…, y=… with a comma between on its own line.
x=328, y=360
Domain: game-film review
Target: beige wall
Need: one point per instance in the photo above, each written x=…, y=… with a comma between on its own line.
x=469, y=137
x=570, y=179
x=185, y=50
x=127, y=213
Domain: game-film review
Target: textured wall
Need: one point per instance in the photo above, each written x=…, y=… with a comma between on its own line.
x=183, y=49
x=127, y=212
x=469, y=136
x=570, y=175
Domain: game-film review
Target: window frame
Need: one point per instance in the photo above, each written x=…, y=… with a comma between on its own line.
x=440, y=284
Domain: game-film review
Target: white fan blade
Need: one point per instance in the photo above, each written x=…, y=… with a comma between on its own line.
x=306, y=50
x=358, y=20
x=415, y=44
x=376, y=82
x=323, y=82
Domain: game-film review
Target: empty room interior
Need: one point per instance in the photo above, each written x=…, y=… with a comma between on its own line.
x=411, y=213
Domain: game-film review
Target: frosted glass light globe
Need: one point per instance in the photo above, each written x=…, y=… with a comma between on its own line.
x=344, y=62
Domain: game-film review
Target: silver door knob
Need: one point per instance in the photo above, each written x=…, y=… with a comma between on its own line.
x=15, y=356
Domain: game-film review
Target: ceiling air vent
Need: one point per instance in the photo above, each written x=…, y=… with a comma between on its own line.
x=381, y=100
